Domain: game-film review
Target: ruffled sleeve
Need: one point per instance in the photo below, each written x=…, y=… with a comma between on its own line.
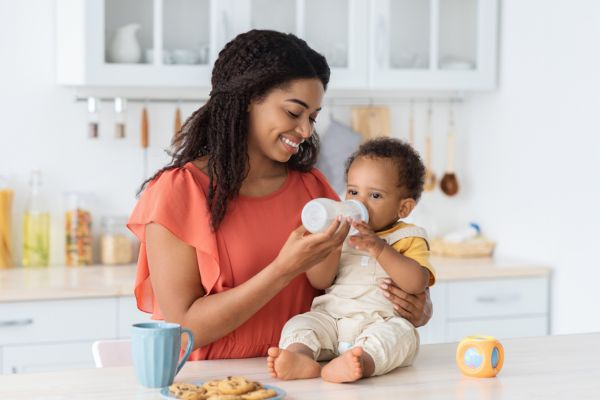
x=177, y=201
x=317, y=185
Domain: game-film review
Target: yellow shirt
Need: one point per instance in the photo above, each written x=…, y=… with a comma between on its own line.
x=414, y=247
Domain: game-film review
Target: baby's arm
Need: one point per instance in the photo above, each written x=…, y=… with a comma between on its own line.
x=405, y=272
x=321, y=276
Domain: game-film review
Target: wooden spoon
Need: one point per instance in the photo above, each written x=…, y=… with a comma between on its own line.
x=449, y=182
x=430, y=180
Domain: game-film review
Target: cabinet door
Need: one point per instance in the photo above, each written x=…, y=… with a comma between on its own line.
x=433, y=44
x=502, y=328
x=335, y=28
x=20, y=359
x=128, y=314
x=134, y=43
x=57, y=320
x=435, y=330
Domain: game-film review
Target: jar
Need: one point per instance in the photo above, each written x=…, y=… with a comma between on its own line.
x=116, y=243
x=78, y=231
x=319, y=213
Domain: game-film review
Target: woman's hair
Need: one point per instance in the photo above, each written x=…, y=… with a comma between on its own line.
x=247, y=69
x=409, y=167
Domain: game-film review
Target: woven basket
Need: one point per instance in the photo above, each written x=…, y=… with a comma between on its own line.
x=477, y=247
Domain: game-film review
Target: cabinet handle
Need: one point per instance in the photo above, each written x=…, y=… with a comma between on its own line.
x=16, y=322
x=497, y=299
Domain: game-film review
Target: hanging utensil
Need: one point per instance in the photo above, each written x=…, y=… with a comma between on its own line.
x=430, y=179
x=371, y=121
x=144, y=139
x=120, y=114
x=177, y=122
x=449, y=182
x=93, y=117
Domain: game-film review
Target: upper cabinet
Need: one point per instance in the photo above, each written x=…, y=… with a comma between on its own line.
x=335, y=28
x=369, y=44
x=433, y=44
x=140, y=43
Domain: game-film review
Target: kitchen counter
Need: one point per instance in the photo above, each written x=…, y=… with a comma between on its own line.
x=552, y=367
x=28, y=284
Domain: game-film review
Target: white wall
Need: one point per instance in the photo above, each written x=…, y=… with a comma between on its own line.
x=528, y=152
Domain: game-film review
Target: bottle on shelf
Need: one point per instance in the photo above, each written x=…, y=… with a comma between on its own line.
x=78, y=231
x=36, y=225
x=6, y=196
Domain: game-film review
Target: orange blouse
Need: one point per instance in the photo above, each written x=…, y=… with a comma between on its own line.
x=249, y=238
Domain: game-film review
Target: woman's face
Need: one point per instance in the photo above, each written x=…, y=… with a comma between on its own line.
x=283, y=119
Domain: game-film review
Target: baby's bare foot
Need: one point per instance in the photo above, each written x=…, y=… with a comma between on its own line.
x=287, y=365
x=346, y=368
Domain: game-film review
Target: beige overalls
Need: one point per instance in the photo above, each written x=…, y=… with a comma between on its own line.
x=354, y=312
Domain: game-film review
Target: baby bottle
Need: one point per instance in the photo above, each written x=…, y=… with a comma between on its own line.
x=319, y=213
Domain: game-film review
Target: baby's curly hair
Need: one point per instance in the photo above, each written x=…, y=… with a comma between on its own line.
x=411, y=171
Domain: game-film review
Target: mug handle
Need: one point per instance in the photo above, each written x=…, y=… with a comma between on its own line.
x=188, y=350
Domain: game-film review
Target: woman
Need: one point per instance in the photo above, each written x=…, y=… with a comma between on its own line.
x=223, y=252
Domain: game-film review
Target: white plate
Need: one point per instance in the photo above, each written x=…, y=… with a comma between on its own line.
x=164, y=392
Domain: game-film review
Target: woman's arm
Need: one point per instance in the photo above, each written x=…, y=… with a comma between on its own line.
x=178, y=287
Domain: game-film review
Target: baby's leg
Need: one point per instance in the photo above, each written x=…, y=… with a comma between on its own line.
x=391, y=343
x=351, y=366
x=302, y=339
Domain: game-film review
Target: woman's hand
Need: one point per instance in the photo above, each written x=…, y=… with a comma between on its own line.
x=301, y=251
x=416, y=308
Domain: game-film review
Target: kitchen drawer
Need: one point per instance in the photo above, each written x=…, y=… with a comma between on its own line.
x=57, y=320
x=501, y=328
x=128, y=314
x=498, y=297
x=19, y=359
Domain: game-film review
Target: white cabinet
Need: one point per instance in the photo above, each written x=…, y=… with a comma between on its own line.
x=52, y=335
x=370, y=44
x=433, y=44
x=96, y=42
x=505, y=308
x=335, y=28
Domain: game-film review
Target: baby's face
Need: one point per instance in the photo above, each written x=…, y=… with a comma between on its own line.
x=373, y=182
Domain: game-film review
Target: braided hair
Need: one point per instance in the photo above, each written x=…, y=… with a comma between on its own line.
x=247, y=69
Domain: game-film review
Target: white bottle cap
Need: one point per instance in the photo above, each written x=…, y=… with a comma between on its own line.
x=314, y=217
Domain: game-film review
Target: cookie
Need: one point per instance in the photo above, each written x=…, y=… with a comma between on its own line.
x=236, y=385
x=224, y=397
x=260, y=394
x=179, y=389
x=194, y=395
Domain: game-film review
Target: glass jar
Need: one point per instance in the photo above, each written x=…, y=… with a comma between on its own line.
x=116, y=243
x=78, y=231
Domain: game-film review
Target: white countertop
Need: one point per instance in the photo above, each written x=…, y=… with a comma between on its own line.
x=552, y=367
x=28, y=284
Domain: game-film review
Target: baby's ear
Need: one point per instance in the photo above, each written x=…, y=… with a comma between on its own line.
x=405, y=207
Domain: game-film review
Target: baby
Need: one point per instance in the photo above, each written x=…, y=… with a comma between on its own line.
x=353, y=324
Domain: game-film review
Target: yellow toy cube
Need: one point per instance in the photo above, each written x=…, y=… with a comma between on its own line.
x=480, y=356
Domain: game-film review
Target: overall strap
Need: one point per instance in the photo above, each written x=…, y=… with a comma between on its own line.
x=403, y=233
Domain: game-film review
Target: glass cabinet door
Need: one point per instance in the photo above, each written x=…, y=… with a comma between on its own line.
x=128, y=31
x=185, y=32
x=458, y=35
x=433, y=44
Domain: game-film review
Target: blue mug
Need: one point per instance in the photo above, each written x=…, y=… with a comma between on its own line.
x=156, y=347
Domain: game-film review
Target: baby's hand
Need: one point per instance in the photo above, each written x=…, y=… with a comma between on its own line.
x=366, y=240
